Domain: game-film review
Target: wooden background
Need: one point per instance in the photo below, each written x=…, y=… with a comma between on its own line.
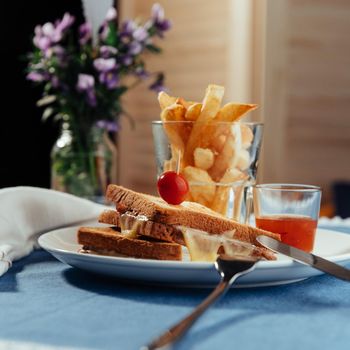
x=317, y=143
x=290, y=56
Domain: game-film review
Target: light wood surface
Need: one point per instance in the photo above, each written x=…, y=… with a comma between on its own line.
x=290, y=56
x=309, y=78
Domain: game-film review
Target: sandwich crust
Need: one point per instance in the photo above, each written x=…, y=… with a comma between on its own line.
x=106, y=239
x=187, y=214
x=149, y=228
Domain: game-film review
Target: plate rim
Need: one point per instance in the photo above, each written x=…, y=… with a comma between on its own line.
x=169, y=264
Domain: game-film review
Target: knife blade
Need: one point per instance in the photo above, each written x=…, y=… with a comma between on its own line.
x=312, y=260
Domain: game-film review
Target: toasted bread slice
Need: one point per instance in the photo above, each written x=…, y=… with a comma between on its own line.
x=161, y=232
x=107, y=241
x=187, y=214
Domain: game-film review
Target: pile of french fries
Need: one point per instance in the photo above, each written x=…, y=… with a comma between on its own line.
x=209, y=151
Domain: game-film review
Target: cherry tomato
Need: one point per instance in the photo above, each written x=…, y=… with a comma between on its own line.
x=172, y=187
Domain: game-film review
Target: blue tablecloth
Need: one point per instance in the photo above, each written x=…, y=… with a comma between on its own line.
x=44, y=301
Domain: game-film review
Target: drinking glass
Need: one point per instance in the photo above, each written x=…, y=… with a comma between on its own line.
x=218, y=159
x=292, y=210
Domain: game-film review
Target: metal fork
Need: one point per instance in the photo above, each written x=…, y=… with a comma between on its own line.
x=229, y=268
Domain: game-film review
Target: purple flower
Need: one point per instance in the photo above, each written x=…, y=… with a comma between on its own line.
x=42, y=42
x=160, y=23
x=127, y=60
x=157, y=12
x=111, y=14
x=135, y=48
x=86, y=84
x=163, y=26
x=110, y=79
x=55, y=82
x=91, y=98
x=38, y=31
x=140, y=34
x=103, y=31
x=158, y=84
x=48, y=30
x=48, y=34
x=127, y=28
x=104, y=28
x=105, y=64
x=141, y=73
x=157, y=87
x=107, y=51
x=37, y=76
x=108, y=125
x=85, y=33
x=65, y=23
x=58, y=51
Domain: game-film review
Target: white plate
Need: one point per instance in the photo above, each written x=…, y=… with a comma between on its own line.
x=63, y=245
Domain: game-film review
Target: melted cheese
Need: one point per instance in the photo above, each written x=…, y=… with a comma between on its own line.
x=203, y=246
x=125, y=224
x=200, y=247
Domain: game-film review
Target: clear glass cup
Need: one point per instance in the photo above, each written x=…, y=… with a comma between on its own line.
x=218, y=159
x=292, y=210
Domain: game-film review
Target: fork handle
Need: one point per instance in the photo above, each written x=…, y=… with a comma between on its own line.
x=174, y=333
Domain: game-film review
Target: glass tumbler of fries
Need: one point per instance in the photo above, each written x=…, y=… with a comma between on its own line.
x=218, y=159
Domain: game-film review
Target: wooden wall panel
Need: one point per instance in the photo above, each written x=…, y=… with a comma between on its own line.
x=318, y=105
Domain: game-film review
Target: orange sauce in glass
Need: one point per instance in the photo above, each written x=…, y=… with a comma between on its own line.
x=297, y=231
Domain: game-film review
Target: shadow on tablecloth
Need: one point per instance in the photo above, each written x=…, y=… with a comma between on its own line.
x=301, y=297
x=9, y=279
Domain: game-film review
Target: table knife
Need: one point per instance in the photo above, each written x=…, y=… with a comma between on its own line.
x=312, y=260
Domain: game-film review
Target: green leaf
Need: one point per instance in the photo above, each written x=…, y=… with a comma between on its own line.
x=112, y=35
x=153, y=48
x=121, y=90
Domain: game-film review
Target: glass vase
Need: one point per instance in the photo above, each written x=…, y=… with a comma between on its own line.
x=84, y=164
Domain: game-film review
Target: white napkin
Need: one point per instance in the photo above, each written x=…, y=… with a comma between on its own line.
x=27, y=212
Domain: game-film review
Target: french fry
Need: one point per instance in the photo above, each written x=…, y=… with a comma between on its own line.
x=185, y=103
x=173, y=112
x=247, y=136
x=213, y=156
x=193, y=112
x=175, y=132
x=211, y=105
x=203, y=158
x=202, y=187
x=222, y=193
x=232, y=175
x=172, y=163
x=243, y=161
x=223, y=159
x=228, y=157
x=233, y=111
x=217, y=143
x=165, y=100
x=229, y=113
